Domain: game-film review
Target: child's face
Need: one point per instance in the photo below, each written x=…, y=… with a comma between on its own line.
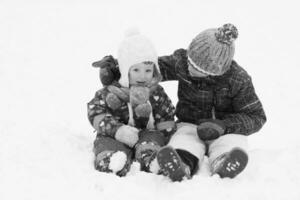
x=195, y=73
x=141, y=74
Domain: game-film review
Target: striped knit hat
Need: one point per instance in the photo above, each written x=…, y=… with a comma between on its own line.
x=211, y=51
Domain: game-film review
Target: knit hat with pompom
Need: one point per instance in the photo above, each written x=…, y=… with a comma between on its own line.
x=134, y=49
x=211, y=52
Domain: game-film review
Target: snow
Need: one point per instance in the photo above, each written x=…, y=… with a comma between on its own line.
x=117, y=161
x=154, y=166
x=46, y=79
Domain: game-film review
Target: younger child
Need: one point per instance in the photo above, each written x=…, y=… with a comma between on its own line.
x=133, y=117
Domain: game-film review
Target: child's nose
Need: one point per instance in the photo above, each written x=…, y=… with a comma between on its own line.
x=142, y=76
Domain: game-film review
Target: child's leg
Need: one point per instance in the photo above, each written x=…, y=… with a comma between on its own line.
x=186, y=138
x=181, y=158
x=112, y=156
x=227, y=155
x=190, y=160
x=147, y=147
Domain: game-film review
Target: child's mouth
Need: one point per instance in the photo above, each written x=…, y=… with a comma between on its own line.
x=141, y=83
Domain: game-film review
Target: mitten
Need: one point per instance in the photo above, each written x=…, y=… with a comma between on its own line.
x=116, y=96
x=127, y=135
x=167, y=128
x=113, y=101
x=210, y=129
x=109, y=70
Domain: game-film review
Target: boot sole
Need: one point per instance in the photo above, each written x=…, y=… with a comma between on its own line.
x=235, y=162
x=171, y=164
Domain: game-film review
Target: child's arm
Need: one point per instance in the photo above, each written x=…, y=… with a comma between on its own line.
x=167, y=65
x=100, y=117
x=163, y=113
x=106, y=124
x=109, y=70
x=249, y=115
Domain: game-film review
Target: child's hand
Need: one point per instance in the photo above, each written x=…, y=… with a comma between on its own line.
x=116, y=97
x=109, y=70
x=113, y=101
x=127, y=135
x=210, y=129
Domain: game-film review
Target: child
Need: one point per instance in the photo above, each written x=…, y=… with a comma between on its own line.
x=133, y=117
x=217, y=107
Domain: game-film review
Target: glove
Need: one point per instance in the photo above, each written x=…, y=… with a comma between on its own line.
x=127, y=135
x=210, y=129
x=109, y=70
x=113, y=101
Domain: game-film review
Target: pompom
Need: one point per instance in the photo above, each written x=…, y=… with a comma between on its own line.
x=139, y=95
x=132, y=32
x=143, y=110
x=227, y=33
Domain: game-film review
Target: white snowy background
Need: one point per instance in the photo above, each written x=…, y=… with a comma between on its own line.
x=46, y=79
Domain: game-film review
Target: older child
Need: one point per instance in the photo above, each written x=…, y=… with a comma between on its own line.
x=133, y=117
x=217, y=106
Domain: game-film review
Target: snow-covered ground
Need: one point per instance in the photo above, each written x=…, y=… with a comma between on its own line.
x=46, y=79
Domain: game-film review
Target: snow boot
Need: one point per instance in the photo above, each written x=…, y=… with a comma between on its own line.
x=145, y=154
x=103, y=161
x=230, y=164
x=147, y=147
x=171, y=164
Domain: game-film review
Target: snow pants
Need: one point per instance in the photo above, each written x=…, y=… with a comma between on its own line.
x=186, y=138
x=103, y=143
x=148, y=140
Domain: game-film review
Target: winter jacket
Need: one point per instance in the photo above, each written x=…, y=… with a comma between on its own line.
x=107, y=121
x=230, y=97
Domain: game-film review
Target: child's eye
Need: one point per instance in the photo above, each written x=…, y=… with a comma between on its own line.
x=135, y=69
x=149, y=70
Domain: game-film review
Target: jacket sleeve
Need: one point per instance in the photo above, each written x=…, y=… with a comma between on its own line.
x=248, y=116
x=167, y=65
x=100, y=117
x=164, y=112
